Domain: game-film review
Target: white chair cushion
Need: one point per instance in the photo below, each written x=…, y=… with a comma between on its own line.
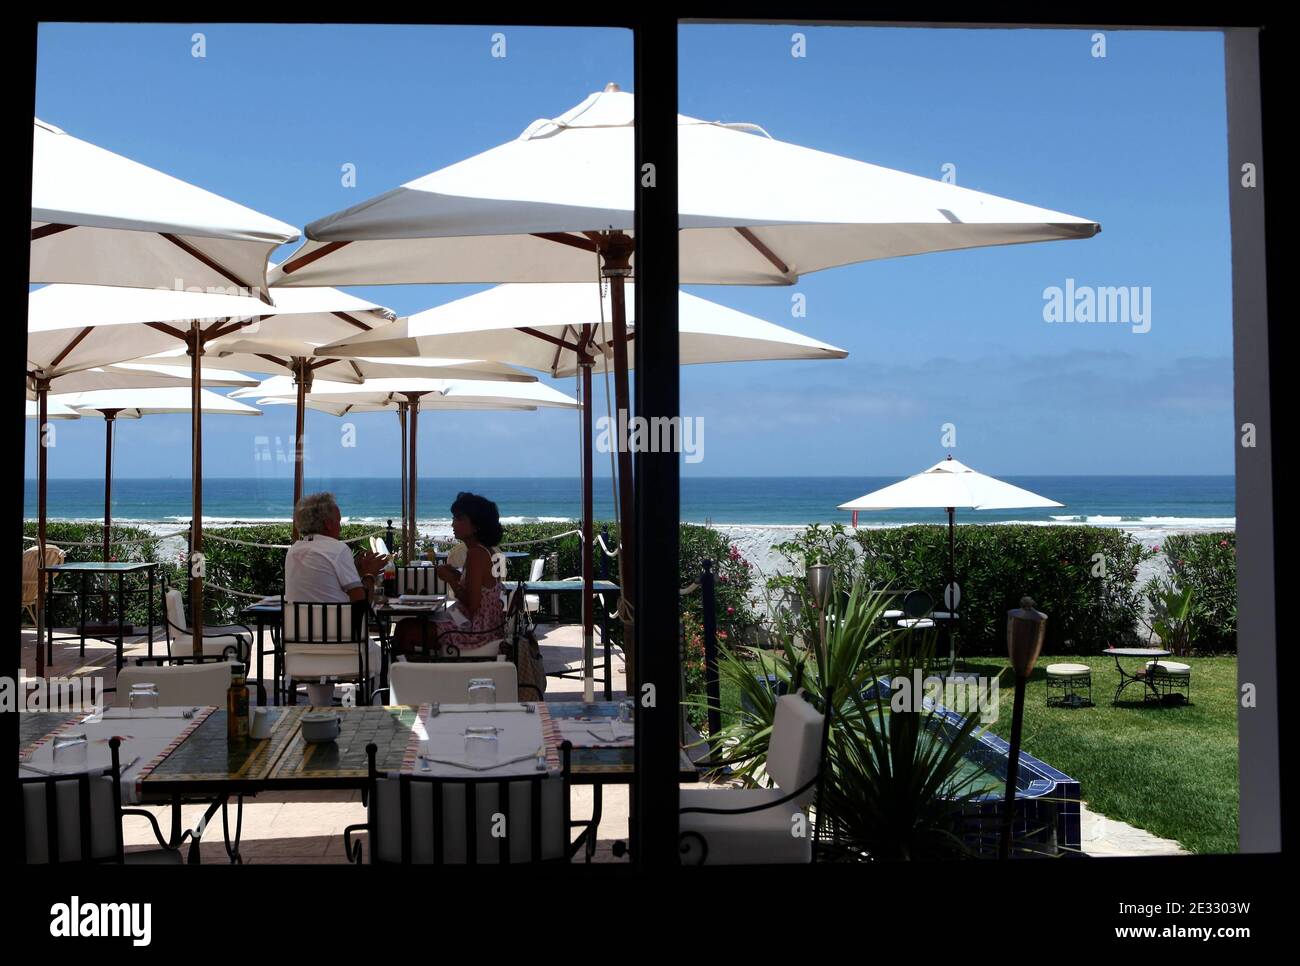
x=183, y=645
x=765, y=836
x=1068, y=670
x=892, y=614
x=448, y=683
x=186, y=685
x=1169, y=667
x=916, y=623
x=305, y=662
x=386, y=812
x=793, y=749
x=944, y=615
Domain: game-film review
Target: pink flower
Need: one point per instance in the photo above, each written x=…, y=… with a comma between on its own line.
x=1223, y=543
x=1156, y=548
x=731, y=610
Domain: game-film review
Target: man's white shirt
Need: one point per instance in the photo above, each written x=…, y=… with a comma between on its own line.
x=319, y=568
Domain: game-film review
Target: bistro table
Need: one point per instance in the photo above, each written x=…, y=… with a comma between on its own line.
x=1144, y=675
x=108, y=569
x=602, y=587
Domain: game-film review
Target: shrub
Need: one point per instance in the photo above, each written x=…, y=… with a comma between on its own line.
x=1205, y=564
x=1083, y=578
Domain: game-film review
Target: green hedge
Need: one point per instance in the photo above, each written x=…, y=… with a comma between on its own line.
x=1207, y=563
x=1089, y=606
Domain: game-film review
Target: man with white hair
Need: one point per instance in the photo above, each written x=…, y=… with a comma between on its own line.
x=320, y=568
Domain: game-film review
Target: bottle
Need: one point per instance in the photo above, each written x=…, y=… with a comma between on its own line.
x=237, y=704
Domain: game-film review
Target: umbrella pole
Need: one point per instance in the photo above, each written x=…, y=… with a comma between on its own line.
x=951, y=608
x=42, y=391
x=197, y=567
x=301, y=376
x=616, y=256
x=588, y=551
x=414, y=398
x=110, y=417
x=401, y=421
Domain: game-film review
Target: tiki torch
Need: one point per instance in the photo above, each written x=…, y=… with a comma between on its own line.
x=1026, y=628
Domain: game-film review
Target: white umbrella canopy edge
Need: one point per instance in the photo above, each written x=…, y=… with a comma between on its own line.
x=140, y=376
x=518, y=323
x=565, y=175
x=104, y=219
x=53, y=410
x=950, y=483
x=134, y=403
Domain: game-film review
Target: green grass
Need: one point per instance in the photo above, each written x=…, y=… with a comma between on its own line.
x=1171, y=770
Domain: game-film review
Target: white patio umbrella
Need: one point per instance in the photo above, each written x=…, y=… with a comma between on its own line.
x=52, y=411
x=753, y=211
x=408, y=397
x=99, y=218
x=558, y=327
x=949, y=485
x=74, y=327
x=142, y=375
x=114, y=404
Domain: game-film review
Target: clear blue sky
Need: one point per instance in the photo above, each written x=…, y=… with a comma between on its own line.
x=1136, y=141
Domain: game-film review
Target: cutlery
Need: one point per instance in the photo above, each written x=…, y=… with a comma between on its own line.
x=460, y=764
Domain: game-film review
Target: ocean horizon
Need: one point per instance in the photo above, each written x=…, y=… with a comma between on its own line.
x=1165, y=502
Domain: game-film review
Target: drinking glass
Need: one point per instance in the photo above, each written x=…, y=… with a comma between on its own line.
x=70, y=750
x=482, y=691
x=480, y=745
x=143, y=696
x=626, y=710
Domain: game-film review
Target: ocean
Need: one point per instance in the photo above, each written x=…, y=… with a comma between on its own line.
x=1140, y=503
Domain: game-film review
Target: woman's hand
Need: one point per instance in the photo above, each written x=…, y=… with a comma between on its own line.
x=449, y=575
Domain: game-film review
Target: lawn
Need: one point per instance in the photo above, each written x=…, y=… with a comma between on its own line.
x=1171, y=770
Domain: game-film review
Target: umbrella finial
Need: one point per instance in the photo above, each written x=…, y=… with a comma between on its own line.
x=612, y=87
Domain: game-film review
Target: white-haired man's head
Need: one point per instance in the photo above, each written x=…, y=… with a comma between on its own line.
x=318, y=513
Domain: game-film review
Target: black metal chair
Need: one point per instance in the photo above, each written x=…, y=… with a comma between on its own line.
x=323, y=639
x=77, y=818
x=226, y=642
x=420, y=581
x=422, y=820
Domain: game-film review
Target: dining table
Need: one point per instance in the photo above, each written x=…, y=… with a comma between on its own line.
x=1143, y=674
x=174, y=755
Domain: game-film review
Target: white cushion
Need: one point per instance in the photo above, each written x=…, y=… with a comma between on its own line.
x=916, y=623
x=1168, y=667
x=535, y=568
x=185, y=685
x=795, y=744
x=890, y=615
x=765, y=836
x=386, y=812
x=1068, y=670
x=305, y=662
x=448, y=683
x=219, y=647
x=317, y=622
x=944, y=615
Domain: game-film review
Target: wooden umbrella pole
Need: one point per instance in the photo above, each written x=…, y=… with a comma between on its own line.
x=110, y=417
x=197, y=565
x=302, y=377
x=616, y=259
x=588, y=551
x=412, y=502
x=401, y=421
x=42, y=392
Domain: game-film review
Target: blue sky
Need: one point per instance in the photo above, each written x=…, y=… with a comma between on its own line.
x=1136, y=141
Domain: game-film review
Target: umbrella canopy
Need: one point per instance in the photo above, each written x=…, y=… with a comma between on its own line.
x=142, y=376
x=135, y=403
x=949, y=483
x=115, y=404
x=53, y=410
x=101, y=219
x=72, y=327
x=753, y=210
x=539, y=326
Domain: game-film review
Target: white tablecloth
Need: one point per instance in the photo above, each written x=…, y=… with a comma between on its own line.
x=145, y=736
x=442, y=736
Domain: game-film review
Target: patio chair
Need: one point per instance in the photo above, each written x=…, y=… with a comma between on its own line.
x=224, y=642
x=757, y=824
x=201, y=685
x=533, y=602
x=1069, y=681
x=917, y=609
x=419, y=580
x=430, y=820
x=447, y=683
x=77, y=818
x=53, y=557
x=329, y=641
x=1169, y=678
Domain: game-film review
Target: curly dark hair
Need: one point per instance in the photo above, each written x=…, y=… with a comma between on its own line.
x=481, y=512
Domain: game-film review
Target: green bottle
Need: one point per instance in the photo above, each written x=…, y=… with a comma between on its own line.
x=237, y=704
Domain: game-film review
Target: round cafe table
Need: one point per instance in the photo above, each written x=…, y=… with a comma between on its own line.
x=1144, y=675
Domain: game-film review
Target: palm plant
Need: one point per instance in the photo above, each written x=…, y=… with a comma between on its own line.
x=899, y=781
